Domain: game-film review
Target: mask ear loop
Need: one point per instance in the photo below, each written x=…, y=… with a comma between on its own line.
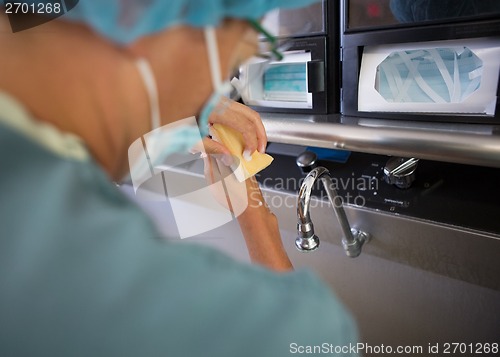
x=213, y=57
x=141, y=169
x=219, y=87
x=183, y=138
x=149, y=81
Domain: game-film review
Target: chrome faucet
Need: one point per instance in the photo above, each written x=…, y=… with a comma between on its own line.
x=308, y=241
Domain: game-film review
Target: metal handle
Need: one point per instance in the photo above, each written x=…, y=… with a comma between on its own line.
x=400, y=171
x=307, y=161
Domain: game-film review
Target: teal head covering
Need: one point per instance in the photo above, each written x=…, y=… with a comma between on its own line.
x=123, y=21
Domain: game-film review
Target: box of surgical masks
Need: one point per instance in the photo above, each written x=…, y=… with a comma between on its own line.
x=280, y=84
x=441, y=77
x=296, y=84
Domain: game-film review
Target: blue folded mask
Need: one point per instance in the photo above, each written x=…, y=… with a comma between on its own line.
x=432, y=75
x=287, y=81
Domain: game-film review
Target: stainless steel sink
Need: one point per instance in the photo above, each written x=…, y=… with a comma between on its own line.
x=417, y=282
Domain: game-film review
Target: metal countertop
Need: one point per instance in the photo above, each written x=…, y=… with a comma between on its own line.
x=473, y=144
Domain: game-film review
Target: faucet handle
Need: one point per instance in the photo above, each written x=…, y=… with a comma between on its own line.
x=400, y=171
x=307, y=161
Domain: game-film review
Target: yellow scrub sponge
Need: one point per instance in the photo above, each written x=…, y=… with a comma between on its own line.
x=233, y=140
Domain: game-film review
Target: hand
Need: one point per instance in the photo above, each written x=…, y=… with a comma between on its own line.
x=226, y=189
x=244, y=120
x=218, y=157
x=258, y=225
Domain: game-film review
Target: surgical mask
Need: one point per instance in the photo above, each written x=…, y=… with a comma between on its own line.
x=286, y=82
x=433, y=75
x=180, y=136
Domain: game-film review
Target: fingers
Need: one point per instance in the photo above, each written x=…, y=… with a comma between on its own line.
x=244, y=120
x=212, y=157
x=211, y=170
x=236, y=191
x=212, y=148
x=226, y=189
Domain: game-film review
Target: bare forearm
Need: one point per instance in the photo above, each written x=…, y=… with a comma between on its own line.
x=260, y=229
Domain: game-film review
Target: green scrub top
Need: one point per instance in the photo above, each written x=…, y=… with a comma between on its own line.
x=84, y=272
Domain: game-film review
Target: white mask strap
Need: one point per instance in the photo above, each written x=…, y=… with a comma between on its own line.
x=213, y=57
x=149, y=81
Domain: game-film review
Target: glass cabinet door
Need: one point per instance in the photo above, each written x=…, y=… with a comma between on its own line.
x=297, y=22
x=383, y=13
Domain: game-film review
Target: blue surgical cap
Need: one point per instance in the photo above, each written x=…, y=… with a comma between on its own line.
x=124, y=21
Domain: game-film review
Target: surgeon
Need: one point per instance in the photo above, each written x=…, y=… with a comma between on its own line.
x=83, y=271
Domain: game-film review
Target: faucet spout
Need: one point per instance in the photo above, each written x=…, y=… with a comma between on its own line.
x=308, y=241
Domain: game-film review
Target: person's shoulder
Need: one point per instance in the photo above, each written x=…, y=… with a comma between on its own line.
x=297, y=308
x=302, y=283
